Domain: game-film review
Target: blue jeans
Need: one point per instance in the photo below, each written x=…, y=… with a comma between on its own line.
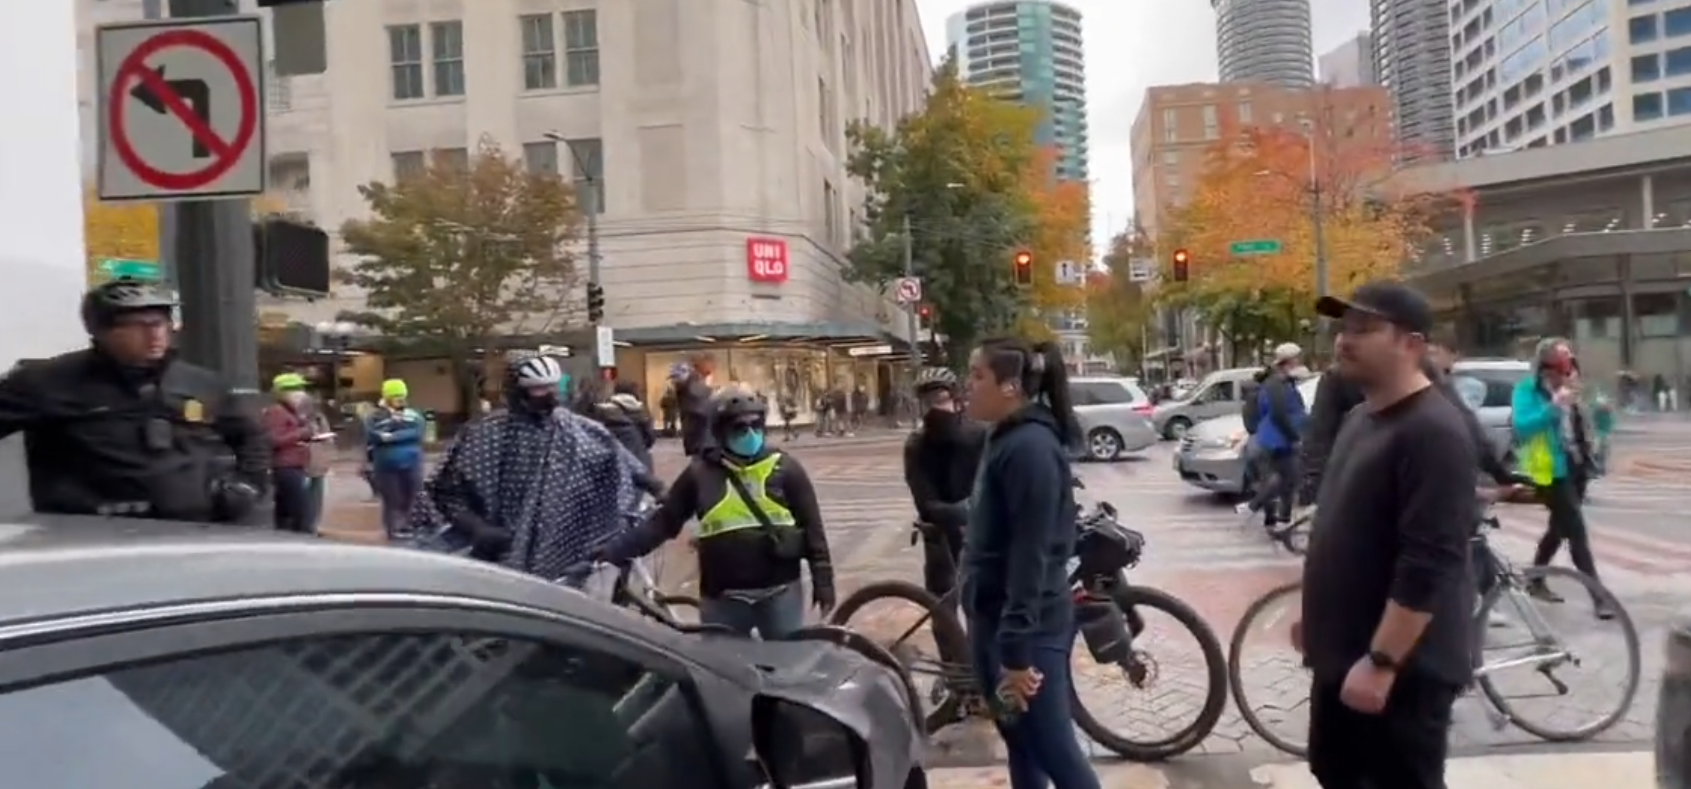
x=773, y=613
x=1041, y=742
x=398, y=488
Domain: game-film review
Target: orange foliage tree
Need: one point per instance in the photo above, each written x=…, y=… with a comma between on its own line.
x=1061, y=231
x=1275, y=184
x=121, y=231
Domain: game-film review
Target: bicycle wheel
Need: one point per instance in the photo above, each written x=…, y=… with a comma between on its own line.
x=1548, y=655
x=1273, y=613
x=950, y=666
x=1143, y=671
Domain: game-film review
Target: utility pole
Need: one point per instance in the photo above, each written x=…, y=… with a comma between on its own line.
x=912, y=322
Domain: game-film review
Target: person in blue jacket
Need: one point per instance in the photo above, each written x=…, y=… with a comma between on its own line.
x=1019, y=537
x=1283, y=413
x=1554, y=447
x=394, y=437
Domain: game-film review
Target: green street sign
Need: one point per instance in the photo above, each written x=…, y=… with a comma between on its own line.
x=138, y=269
x=1261, y=246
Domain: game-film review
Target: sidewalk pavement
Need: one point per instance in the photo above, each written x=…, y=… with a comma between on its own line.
x=1498, y=771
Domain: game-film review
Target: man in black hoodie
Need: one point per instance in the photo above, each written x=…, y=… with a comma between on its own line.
x=940, y=460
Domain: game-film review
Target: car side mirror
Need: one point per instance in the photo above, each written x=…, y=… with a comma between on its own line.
x=801, y=747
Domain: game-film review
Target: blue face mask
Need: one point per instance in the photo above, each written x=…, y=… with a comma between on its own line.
x=745, y=443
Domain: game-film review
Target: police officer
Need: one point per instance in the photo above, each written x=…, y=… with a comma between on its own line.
x=758, y=521
x=123, y=428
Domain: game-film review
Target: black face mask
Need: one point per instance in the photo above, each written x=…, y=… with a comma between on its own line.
x=942, y=423
x=543, y=404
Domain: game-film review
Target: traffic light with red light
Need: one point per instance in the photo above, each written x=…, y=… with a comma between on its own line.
x=1024, y=268
x=925, y=312
x=1182, y=265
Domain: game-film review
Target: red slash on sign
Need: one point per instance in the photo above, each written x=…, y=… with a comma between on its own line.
x=151, y=87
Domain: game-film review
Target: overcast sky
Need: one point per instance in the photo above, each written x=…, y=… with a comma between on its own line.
x=1130, y=46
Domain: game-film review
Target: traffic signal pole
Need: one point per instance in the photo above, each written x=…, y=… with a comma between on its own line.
x=914, y=324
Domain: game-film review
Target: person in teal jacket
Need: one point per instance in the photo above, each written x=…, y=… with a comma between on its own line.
x=1554, y=449
x=394, y=437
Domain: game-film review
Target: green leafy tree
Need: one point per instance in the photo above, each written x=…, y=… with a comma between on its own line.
x=954, y=175
x=464, y=253
x=1119, y=311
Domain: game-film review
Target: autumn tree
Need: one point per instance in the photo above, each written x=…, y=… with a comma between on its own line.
x=460, y=255
x=1280, y=185
x=1119, y=307
x=1060, y=232
x=953, y=175
x=118, y=230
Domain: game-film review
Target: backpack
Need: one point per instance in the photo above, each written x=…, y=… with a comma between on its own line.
x=1253, y=410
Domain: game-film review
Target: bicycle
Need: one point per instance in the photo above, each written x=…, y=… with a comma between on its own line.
x=1109, y=618
x=1544, y=652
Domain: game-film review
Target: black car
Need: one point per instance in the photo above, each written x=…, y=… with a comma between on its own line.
x=149, y=654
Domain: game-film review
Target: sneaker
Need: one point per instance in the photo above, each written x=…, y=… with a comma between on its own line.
x=1245, y=513
x=1538, y=591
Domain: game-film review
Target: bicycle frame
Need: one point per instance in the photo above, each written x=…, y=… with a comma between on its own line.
x=1512, y=587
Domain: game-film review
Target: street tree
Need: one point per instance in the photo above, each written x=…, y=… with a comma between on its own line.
x=1061, y=231
x=953, y=174
x=462, y=254
x=1267, y=184
x=1119, y=309
x=118, y=230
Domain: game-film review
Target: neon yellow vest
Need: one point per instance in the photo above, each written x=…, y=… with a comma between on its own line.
x=731, y=513
x=1536, y=460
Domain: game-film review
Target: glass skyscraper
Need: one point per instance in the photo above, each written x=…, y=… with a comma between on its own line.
x=1030, y=51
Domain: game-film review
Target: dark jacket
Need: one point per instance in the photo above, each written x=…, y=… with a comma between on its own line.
x=1020, y=537
x=627, y=419
x=1283, y=413
x=692, y=397
x=86, y=423
x=739, y=559
x=1334, y=397
x=940, y=471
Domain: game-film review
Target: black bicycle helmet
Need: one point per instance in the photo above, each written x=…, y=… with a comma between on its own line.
x=734, y=407
x=931, y=378
x=104, y=302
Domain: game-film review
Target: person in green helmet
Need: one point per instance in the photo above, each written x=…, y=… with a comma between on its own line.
x=759, y=521
x=288, y=424
x=394, y=432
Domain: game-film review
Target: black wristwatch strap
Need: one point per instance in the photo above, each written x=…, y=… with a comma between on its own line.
x=1382, y=660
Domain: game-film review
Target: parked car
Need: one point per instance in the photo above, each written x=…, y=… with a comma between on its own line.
x=187, y=656
x=1219, y=394
x=1115, y=416
x=1210, y=455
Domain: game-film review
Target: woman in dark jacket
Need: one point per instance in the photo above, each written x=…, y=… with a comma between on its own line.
x=629, y=420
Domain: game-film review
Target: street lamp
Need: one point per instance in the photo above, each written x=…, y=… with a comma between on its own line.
x=338, y=336
x=590, y=206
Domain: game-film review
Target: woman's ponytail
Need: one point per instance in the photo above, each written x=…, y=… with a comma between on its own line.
x=1053, y=385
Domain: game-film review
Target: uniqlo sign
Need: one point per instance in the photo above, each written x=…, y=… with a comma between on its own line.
x=766, y=260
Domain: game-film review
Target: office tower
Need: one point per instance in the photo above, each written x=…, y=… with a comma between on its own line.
x=1264, y=41
x=1349, y=65
x=1412, y=48
x=1030, y=51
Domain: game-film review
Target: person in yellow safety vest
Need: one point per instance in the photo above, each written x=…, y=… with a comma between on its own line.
x=759, y=521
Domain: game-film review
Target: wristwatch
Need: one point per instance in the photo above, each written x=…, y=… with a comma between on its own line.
x=1382, y=660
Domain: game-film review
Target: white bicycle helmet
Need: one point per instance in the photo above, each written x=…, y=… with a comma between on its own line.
x=537, y=371
x=931, y=378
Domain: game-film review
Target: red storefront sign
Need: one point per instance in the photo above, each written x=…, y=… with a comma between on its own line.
x=766, y=260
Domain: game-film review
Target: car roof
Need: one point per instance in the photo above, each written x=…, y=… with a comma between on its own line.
x=56, y=567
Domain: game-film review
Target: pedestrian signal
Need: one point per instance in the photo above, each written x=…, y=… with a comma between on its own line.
x=1182, y=265
x=1024, y=268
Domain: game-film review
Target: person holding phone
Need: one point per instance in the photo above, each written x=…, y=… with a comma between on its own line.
x=291, y=433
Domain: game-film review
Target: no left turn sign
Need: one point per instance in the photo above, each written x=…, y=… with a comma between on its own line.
x=908, y=290
x=181, y=109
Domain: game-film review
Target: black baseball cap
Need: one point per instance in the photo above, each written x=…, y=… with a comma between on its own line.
x=1394, y=302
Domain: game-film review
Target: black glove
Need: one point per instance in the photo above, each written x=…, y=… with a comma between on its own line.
x=489, y=542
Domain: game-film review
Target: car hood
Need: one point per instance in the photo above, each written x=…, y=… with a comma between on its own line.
x=1220, y=428
x=871, y=699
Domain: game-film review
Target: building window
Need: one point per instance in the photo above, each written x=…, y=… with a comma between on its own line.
x=1212, y=125
x=830, y=215
x=1647, y=106
x=1171, y=125
x=587, y=166
x=1677, y=62
x=279, y=92
x=1244, y=112
x=1679, y=102
x=540, y=52
x=1642, y=28
x=405, y=58
x=447, y=39
x=452, y=158
x=1676, y=23
x=1646, y=68
x=407, y=164
x=1171, y=158
x=581, y=48
x=541, y=158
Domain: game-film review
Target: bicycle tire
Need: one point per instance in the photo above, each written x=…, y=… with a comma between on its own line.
x=949, y=638
x=1598, y=591
x=1235, y=671
x=1128, y=597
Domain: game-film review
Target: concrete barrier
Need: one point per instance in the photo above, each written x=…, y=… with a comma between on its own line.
x=1673, y=712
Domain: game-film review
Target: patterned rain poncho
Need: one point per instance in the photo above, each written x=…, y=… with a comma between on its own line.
x=561, y=485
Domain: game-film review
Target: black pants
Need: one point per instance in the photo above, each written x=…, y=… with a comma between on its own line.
x=1567, y=524
x=1277, y=485
x=1404, y=747
x=292, y=493
x=941, y=547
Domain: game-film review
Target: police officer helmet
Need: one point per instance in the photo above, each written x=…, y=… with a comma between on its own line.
x=737, y=407
x=103, y=303
x=932, y=378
